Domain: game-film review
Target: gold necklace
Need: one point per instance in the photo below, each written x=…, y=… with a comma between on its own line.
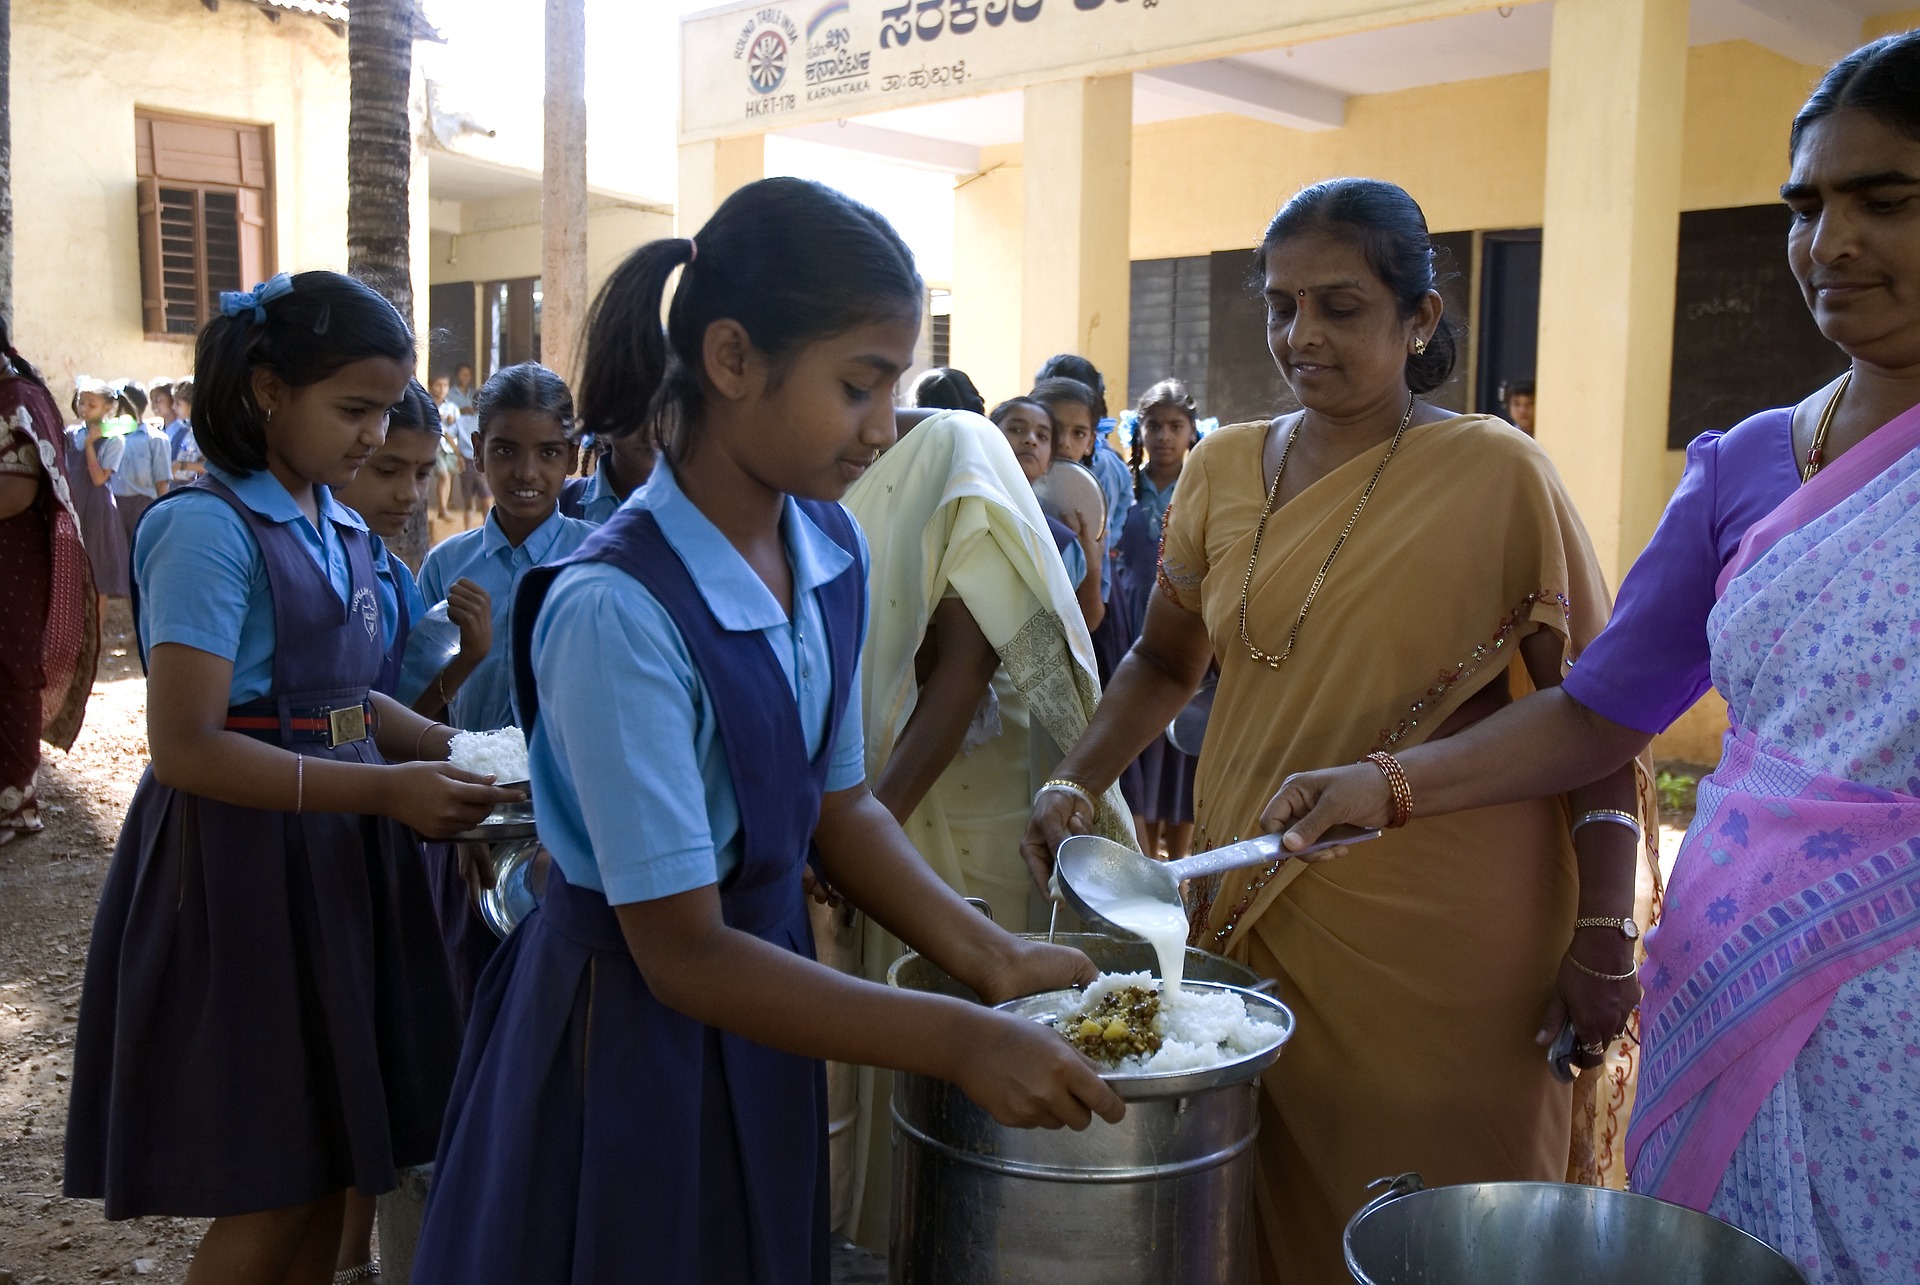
x=1273, y=494
x=1817, y=453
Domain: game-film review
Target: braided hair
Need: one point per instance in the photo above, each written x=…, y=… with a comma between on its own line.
x=1168, y=392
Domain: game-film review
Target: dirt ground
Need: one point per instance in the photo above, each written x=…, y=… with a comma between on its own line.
x=48, y=886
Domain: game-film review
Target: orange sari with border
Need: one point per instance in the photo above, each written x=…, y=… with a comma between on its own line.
x=1419, y=967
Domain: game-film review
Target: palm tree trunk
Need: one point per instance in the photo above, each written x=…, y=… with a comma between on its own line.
x=379, y=147
x=379, y=165
x=563, y=203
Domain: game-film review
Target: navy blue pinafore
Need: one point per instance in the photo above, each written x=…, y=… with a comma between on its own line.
x=595, y=1134
x=267, y=1016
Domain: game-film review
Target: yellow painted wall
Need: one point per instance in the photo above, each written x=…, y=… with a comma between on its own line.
x=1887, y=24
x=502, y=241
x=79, y=69
x=1473, y=154
x=988, y=269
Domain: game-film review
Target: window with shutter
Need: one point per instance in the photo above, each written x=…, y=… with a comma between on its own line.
x=204, y=210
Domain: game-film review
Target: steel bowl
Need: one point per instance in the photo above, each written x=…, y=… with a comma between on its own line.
x=506, y=823
x=513, y=896
x=1548, y=1231
x=1049, y=1006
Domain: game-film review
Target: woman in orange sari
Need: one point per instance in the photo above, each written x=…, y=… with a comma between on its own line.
x=1372, y=572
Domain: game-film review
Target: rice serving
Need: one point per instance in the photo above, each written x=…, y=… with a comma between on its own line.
x=1196, y=1028
x=501, y=754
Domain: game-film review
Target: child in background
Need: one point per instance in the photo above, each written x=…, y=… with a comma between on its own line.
x=146, y=461
x=160, y=403
x=267, y=1018
x=384, y=492
x=1165, y=429
x=187, y=463
x=627, y=454
x=475, y=495
x=93, y=456
x=525, y=444
x=640, y=1096
x=446, y=473
x=1070, y=407
x=1029, y=432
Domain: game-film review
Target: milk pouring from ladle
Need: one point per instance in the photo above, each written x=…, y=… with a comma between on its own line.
x=1115, y=888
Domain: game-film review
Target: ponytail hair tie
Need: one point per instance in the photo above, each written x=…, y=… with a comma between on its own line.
x=234, y=303
x=693, y=250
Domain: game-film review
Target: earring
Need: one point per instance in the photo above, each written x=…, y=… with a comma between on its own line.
x=1419, y=346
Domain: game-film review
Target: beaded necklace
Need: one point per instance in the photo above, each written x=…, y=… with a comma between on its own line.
x=1273, y=494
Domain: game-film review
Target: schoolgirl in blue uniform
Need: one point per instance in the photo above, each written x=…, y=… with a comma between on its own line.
x=267, y=1017
x=640, y=1096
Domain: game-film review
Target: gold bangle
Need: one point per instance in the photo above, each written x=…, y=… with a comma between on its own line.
x=1074, y=788
x=421, y=739
x=1605, y=977
x=1397, y=783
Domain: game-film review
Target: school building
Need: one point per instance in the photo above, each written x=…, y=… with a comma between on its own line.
x=1601, y=175
x=166, y=150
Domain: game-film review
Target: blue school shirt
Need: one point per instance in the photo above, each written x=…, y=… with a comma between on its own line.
x=203, y=582
x=591, y=499
x=108, y=452
x=146, y=460
x=483, y=555
x=631, y=777
x=1116, y=484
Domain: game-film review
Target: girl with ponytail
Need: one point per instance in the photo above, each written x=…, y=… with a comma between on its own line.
x=267, y=1018
x=640, y=1096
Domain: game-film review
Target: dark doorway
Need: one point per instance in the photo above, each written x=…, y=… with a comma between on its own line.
x=510, y=320
x=1509, y=314
x=452, y=342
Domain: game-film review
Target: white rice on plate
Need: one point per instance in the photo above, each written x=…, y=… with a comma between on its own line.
x=501, y=753
x=1197, y=1029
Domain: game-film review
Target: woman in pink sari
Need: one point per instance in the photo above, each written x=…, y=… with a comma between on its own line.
x=1780, y=1087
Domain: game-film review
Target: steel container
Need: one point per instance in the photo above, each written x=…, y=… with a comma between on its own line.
x=1548, y=1231
x=1163, y=1196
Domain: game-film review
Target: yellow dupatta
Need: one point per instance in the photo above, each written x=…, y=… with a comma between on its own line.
x=947, y=512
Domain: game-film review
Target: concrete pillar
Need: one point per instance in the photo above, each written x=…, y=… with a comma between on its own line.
x=563, y=193
x=1615, y=101
x=710, y=172
x=1076, y=284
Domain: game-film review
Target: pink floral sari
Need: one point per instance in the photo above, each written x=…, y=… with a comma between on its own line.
x=1802, y=867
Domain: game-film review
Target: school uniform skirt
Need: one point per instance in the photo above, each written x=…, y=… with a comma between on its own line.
x=267, y=1016
x=592, y=1138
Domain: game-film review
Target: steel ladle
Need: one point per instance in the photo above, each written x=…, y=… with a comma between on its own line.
x=1092, y=873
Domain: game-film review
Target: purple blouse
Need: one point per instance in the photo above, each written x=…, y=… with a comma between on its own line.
x=1650, y=664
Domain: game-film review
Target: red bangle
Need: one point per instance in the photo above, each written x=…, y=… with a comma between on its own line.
x=1396, y=782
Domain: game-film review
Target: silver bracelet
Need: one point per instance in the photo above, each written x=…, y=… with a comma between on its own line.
x=1069, y=787
x=1609, y=816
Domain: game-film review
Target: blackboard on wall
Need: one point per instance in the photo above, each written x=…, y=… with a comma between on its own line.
x=1743, y=339
x=1242, y=381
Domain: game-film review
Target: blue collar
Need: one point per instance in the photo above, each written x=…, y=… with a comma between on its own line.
x=261, y=491
x=737, y=597
x=538, y=546
x=600, y=486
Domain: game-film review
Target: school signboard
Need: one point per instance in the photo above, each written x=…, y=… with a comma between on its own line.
x=752, y=67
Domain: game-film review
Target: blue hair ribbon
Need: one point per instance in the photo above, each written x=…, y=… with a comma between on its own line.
x=234, y=303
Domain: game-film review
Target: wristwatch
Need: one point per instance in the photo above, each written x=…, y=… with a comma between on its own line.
x=1628, y=929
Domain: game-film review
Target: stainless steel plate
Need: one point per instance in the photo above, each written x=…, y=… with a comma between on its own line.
x=1049, y=1006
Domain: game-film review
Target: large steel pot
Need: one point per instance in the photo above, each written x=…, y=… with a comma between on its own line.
x=1165, y=1195
x=1548, y=1231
